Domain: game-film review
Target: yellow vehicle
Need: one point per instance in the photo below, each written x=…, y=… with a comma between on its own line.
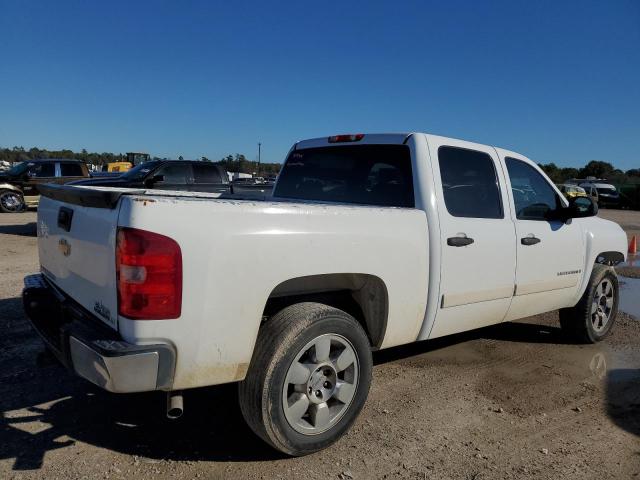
x=133, y=159
x=572, y=191
x=119, y=166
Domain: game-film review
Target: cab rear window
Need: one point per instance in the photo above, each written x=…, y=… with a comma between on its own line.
x=362, y=174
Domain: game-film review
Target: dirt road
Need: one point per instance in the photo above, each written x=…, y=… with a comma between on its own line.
x=511, y=401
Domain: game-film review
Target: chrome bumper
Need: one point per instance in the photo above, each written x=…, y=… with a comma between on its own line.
x=93, y=351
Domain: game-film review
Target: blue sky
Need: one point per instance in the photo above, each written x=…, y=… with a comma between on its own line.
x=556, y=81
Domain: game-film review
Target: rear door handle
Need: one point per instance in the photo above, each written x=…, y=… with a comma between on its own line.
x=459, y=241
x=529, y=241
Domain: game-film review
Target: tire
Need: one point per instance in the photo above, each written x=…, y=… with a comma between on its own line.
x=300, y=410
x=11, y=201
x=593, y=317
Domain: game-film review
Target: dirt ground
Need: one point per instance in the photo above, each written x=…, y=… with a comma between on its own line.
x=511, y=401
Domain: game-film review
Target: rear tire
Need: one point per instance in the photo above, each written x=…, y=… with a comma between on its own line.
x=592, y=318
x=11, y=201
x=308, y=379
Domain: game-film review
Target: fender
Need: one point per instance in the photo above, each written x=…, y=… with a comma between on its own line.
x=605, y=242
x=8, y=186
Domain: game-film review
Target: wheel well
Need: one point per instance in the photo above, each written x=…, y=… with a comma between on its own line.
x=360, y=295
x=610, y=258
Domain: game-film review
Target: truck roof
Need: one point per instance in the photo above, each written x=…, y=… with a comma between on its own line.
x=378, y=138
x=368, y=138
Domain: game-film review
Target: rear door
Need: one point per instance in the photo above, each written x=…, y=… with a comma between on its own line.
x=477, y=236
x=549, y=252
x=207, y=178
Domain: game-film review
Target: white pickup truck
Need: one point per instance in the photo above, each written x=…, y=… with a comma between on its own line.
x=369, y=241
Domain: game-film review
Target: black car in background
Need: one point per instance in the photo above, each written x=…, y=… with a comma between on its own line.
x=189, y=175
x=19, y=186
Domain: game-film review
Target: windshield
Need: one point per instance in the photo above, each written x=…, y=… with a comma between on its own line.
x=18, y=169
x=606, y=190
x=141, y=171
x=365, y=174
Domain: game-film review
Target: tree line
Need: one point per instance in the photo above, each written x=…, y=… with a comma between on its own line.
x=232, y=163
x=239, y=163
x=595, y=168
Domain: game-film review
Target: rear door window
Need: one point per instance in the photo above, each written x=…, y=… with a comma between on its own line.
x=206, y=173
x=70, y=170
x=363, y=174
x=469, y=183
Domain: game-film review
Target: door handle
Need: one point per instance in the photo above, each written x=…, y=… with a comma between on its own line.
x=529, y=241
x=459, y=241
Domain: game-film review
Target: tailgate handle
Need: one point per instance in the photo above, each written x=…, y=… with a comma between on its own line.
x=65, y=216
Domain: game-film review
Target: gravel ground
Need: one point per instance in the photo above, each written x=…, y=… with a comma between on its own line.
x=511, y=401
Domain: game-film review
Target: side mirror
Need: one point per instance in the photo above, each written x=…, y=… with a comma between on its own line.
x=150, y=182
x=580, y=207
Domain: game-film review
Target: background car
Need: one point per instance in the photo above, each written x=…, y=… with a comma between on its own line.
x=252, y=186
x=571, y=191
x=607, y=194
x=19, y=186
x=189, y=175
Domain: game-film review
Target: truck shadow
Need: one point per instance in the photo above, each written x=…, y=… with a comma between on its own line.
x=623, y=394
x=25, y=230
x=506, y=332
x=44, y=408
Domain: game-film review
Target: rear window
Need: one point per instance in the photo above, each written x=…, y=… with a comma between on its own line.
x=70, y=170
x=363, y=174
x=204, y=173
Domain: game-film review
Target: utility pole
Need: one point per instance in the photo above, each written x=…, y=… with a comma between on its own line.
x=259, y=145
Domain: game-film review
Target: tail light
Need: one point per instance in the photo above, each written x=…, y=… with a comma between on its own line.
x=346, y=138
x=149, y=275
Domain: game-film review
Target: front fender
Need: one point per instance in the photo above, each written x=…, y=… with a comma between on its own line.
x=8, y=186
x=601, y=237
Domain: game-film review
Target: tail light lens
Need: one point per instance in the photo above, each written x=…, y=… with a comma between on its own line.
x=149, y=275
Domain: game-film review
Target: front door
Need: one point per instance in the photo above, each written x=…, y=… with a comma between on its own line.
x=477, y=236
x=39, y=173
x=549, y=261
x=175, y=176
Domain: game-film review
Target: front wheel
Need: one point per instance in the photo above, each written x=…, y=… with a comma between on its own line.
x=11, y=201
x=594, y=315
x=309, y=378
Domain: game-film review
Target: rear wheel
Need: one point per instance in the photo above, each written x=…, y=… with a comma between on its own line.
x=11, y=201
x=308, y=380
x=594, y=315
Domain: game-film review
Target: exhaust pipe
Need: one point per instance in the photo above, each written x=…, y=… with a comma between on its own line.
x=174, y=405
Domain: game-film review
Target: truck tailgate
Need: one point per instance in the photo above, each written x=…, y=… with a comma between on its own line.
x=76, y=244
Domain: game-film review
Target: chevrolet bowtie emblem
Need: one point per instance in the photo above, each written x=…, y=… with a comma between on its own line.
x=64, y=247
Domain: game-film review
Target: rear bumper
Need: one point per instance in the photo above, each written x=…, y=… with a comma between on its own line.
x=92, y=350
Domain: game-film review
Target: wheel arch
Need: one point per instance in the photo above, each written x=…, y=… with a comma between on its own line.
x=609, y=258
x=9, y=186
x=361, y=295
